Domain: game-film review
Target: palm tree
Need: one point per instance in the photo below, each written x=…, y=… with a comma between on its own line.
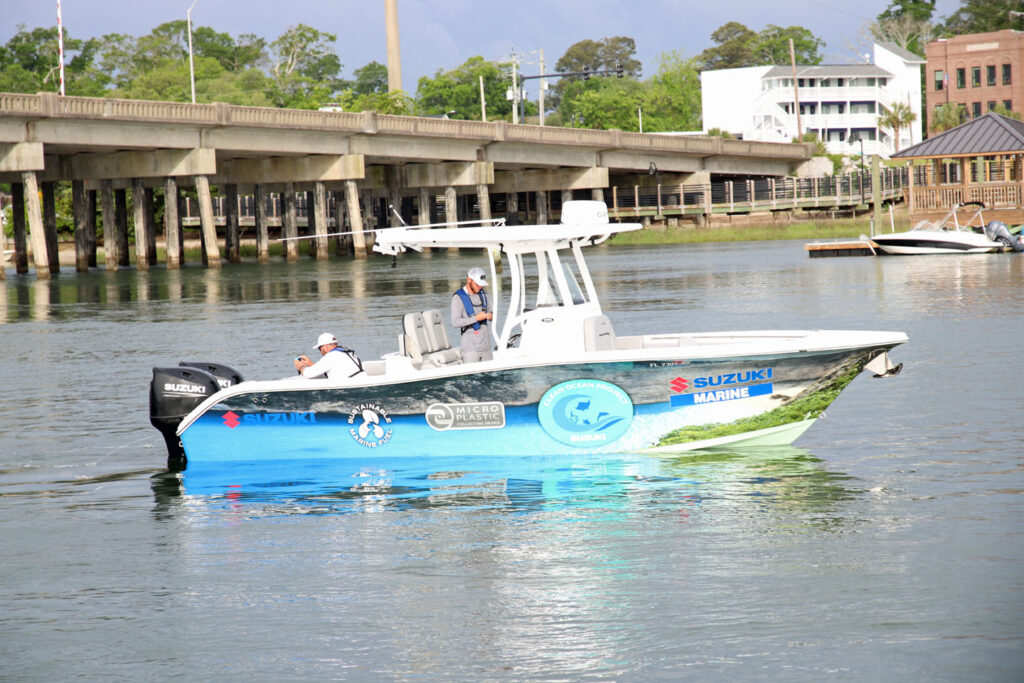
x=946, y=116
x=898, y=117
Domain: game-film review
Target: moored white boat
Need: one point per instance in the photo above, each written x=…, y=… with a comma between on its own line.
x=561, y=380
x=946, y=236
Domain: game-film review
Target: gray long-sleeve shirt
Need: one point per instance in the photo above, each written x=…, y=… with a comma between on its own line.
x=472, y=340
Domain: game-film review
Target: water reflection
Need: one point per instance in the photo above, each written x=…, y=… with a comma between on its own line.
x=779, y=478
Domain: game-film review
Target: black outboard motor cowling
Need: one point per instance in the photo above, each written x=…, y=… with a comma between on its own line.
x=173, y=393
x=226, y=376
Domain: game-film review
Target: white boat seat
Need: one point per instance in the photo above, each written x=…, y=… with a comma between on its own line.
x=598, y=334
x=427, y=342
x=441, y=351
x=414, y=337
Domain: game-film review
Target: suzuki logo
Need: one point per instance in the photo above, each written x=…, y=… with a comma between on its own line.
x=231, y=419
x=679, y=385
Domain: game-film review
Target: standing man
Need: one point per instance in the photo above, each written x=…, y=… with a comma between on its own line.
x=336, y=361
x=471, y=315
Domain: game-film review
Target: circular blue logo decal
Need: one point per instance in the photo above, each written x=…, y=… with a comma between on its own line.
x=585, y=412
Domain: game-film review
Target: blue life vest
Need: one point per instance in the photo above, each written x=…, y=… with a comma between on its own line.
x=468, y=305
x=352, y=355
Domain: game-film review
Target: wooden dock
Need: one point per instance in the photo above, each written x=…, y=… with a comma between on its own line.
x=859, y=247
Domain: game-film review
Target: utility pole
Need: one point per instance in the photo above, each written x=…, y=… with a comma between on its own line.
x=394, y=49
x=513, y=92
x=543, y=87
x=191, y=64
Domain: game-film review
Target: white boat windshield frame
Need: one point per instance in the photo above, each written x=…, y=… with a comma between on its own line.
x=539, y=274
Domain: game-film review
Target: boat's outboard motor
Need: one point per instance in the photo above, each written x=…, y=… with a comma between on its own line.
x=174, y=392
x=226, y=376
x=998, y=232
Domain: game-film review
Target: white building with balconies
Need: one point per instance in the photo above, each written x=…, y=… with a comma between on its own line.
x=841, y=103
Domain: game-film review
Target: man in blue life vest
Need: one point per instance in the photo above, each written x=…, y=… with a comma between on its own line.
x=335, y=362
x=471, y=314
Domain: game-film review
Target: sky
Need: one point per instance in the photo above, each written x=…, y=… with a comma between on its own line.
x=442, y=34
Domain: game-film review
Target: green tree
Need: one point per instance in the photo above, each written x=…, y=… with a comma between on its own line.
x=772, y=46
x=1003, y=111
x=738, y=46
x=396, y=102
x=671, y=101
x=982, y=16
x=458, y=90
x=946, y=116
x=916, y=9
x=907, y=23
x=594, y=55
x=304, y=68
x=896, y=118
x=371, y=79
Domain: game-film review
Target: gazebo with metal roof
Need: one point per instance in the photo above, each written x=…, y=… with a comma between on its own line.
x=978, y=161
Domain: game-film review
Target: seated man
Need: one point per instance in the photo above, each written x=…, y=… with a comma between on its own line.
x=336, y=362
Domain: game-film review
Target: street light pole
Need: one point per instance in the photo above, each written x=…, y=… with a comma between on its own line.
x=191, y=64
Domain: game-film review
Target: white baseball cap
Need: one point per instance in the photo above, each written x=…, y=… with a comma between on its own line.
x=324, y=339
x=477, y=276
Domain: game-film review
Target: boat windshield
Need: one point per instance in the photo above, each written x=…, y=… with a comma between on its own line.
x=553, y=283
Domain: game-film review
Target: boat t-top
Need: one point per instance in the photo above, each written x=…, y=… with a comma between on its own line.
x=561, y=380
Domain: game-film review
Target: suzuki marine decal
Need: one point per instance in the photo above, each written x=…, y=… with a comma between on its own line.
x=445, y=416
x=233, y=419
x=370, y=425
x=719, y=395
x=707, y=389
x=585, y=412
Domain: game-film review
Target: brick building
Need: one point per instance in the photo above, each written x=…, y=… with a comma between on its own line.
x=977, y=71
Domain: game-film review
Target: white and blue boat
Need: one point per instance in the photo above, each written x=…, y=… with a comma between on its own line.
x=561, y=380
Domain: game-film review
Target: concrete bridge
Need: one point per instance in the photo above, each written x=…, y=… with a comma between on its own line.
x=104, y=147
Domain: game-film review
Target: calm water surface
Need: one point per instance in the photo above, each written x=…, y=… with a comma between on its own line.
x=887, y=545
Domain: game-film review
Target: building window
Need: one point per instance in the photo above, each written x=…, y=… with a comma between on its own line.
x=939, y=77
x=975, y=76
x=1007, y=105
x=976, y=109
x=992, y=105
x=1006, y=74
x=961, y=78
x=990, y=74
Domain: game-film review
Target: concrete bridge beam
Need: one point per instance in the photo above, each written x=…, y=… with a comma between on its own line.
x=21, y=156
x=303, y=169
x=157, y=163
x=550, y=180
x=472, y=173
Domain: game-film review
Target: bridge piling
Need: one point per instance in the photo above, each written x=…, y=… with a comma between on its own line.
x=172, y=227
x=110, y=261
x=80, y=210
x=50, y=227
x=355, y=218
x=20, y=234
x=451, y=209
x=290, y=223
x=260, y=217
x=141, y=225
x=35, y=224
x=232, y=247
x=210, y=247
x=319, y=215
x=121, y=217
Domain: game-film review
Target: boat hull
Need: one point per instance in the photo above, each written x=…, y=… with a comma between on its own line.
x=665, y=405
x=925, y=242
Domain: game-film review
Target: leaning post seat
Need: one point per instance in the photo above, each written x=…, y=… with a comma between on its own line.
x=424, y=339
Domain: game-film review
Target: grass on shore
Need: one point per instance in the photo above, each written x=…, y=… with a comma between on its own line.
x=846, y=228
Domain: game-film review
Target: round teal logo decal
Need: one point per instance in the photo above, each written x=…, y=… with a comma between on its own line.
x=585, y=412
